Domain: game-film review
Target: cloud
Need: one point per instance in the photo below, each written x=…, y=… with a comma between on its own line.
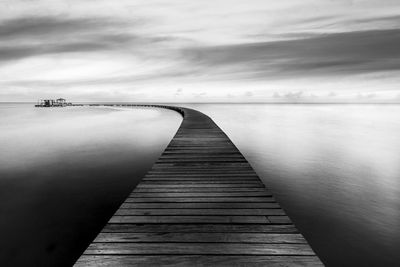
x=366, y=96
x=332, y=94
x=327, y=55
x=200, y=94
x=293, y=96
x=276, y=95
x=39, y=27
x=118, y=79
x=26, y=37
x=248, y=94
x=35, y=36
x=393, y=20
x=18, y=52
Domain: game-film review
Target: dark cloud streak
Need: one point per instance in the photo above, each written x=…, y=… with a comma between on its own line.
x=27, y=37
x=389, y=19
x=35, y=36
x=47, y=26
x=18, y=52
x=327, y=54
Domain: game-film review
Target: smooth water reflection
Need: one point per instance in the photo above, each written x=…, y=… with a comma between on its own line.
x=64, y=172
x=334, y=168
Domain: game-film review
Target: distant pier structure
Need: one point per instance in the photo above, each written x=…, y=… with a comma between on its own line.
x=60, y=102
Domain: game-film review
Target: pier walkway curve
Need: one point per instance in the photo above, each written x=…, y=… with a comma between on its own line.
x=201, y=204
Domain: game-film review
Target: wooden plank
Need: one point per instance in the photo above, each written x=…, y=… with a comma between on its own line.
x=197, y=260
x=197, y=171
x=200, y=161
x=199, y=249
x=203, y=175
x=171, y=167
x=201, y=205
x=201, y=199
x=202, y=170
x=204, y=165
x=279, y=219
x=202, y=238
x=201, y=189
x=202, y=182
x=188, y=219
x=203, y=194
x=203, y=157
x=221, y=183
x=202, y=153
x=213, y=211
x=198, y=228
x=204, y=178
x=203, y=185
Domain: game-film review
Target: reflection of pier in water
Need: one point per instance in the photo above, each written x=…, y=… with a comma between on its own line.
x=201, y=204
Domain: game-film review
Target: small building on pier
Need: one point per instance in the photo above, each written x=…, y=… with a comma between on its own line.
x=60, y=102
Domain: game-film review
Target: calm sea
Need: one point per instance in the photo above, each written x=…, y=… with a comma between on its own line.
x=334, y=168
x=65, y=171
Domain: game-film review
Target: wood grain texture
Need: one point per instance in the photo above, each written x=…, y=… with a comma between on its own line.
x=201, y=204
x=200, y=199
x=189, y=219
x=198, y=260
x=198, y=228
x=201, y=237
x=202, y=194
x=200, y=189
x=213, y=211
x=132, y=248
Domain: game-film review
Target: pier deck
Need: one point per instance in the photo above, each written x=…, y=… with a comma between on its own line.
x=201, y=204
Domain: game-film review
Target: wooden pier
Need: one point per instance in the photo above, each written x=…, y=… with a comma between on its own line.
x=201, y=204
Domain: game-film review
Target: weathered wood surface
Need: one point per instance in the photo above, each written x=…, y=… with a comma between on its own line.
x=201, y=204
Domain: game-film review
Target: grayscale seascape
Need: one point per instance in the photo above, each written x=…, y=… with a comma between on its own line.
x=175, y=133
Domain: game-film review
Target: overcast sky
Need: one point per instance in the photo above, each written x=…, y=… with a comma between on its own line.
x=192, y=50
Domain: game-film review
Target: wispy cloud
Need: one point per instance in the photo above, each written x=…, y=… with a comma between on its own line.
x=35, y=36
x=38, y=27
x=327, y=54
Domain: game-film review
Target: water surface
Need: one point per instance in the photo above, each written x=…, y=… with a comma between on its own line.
x=335, y=169
x=65, y=171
